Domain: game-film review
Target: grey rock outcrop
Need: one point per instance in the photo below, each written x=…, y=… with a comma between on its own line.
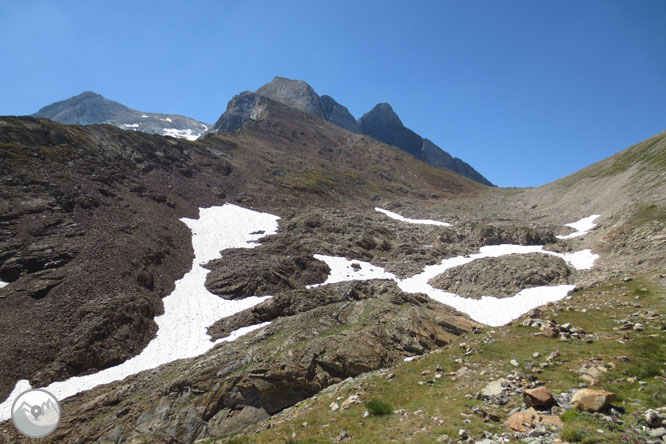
x=295, y=93
x=244, y=106
x=340, y=115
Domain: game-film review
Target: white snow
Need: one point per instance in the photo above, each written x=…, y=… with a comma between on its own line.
x=2, y=284
x=397, y=216
x=189, y=310
x=168, y=119
x=182, y=134
x=582, y=227
x=410, y=358
x=487, y=310
x=133, y=125
x=144, y=116
x=343, y=270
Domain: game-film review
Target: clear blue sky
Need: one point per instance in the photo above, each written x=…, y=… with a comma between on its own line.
x=525, y=91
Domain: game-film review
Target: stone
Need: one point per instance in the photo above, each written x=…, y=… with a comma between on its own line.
x=538, y=397
x=514, y=363
x=351, y=400
x=526, y=420
x=590, y=400
x=334, y=406
x=494, y=388
x=658, y=433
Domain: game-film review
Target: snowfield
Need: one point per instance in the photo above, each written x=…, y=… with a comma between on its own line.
x=2, y=284
x=189, y=310
x=582, y=227
x=397, y=216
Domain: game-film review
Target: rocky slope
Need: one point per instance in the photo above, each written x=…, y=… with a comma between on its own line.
x=381, y=122
x=89, y=108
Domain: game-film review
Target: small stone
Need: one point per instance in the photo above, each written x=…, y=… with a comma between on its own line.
x=536, y=355
x=627, y=279
x=514, y=363
x=463, y=434
x=443, y=438
x=366, y=414
x=334, y=406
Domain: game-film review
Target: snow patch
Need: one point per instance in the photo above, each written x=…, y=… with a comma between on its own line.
x=190, y=309
x=487, y=310
x=397, y=216
x=133, y=125
x=168, y=119
x=3, y=284
x=144, y=116
x=582, y=227
x=343, y=270
x=181, y=133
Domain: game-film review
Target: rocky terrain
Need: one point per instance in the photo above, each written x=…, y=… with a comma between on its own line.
x=89, y=108
x=91, y=242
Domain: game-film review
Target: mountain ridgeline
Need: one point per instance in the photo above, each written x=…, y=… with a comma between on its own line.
x=381, y=123
x=89, y=108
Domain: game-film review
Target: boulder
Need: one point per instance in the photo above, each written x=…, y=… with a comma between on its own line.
x=526, y=420
x=590, y=400
x=538, y=397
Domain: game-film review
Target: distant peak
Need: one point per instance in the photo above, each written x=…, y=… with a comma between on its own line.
x=382, y=114
x=89, y=94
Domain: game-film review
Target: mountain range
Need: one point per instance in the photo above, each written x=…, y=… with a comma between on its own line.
x=381, y=298
x=381, y=122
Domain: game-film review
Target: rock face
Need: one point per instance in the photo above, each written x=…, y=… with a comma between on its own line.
x=381, y=122
x=244, y=106
x=295, y=93
x=503, y=276
x=340, y=115
x=89, y=108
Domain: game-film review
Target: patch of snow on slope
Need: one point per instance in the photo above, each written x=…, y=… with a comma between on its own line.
x=2, y=284
x=343, y=270
x=168, y=119
x=582, y=227
x=487, y=310
x=144, y=116
x=133, y=125
x=181, y=134
x=189, y=310
x=396, y=216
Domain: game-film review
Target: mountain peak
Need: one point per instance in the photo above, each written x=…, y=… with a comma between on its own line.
x=295, y=93
x=381, y=115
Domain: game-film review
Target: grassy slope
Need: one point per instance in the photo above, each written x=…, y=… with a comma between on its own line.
x=427, y=412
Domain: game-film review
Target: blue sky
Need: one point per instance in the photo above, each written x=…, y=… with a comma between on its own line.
x=525, y=91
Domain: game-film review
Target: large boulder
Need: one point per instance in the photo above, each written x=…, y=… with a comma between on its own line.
x=590, y=400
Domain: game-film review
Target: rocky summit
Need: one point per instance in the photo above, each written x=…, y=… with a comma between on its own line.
x=296, y=275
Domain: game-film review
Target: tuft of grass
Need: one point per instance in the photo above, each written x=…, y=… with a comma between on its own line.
x=378, y=408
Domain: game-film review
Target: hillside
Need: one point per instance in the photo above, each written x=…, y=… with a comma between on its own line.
x=310, y=254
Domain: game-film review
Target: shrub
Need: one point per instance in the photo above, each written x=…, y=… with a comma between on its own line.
x=377, y=407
